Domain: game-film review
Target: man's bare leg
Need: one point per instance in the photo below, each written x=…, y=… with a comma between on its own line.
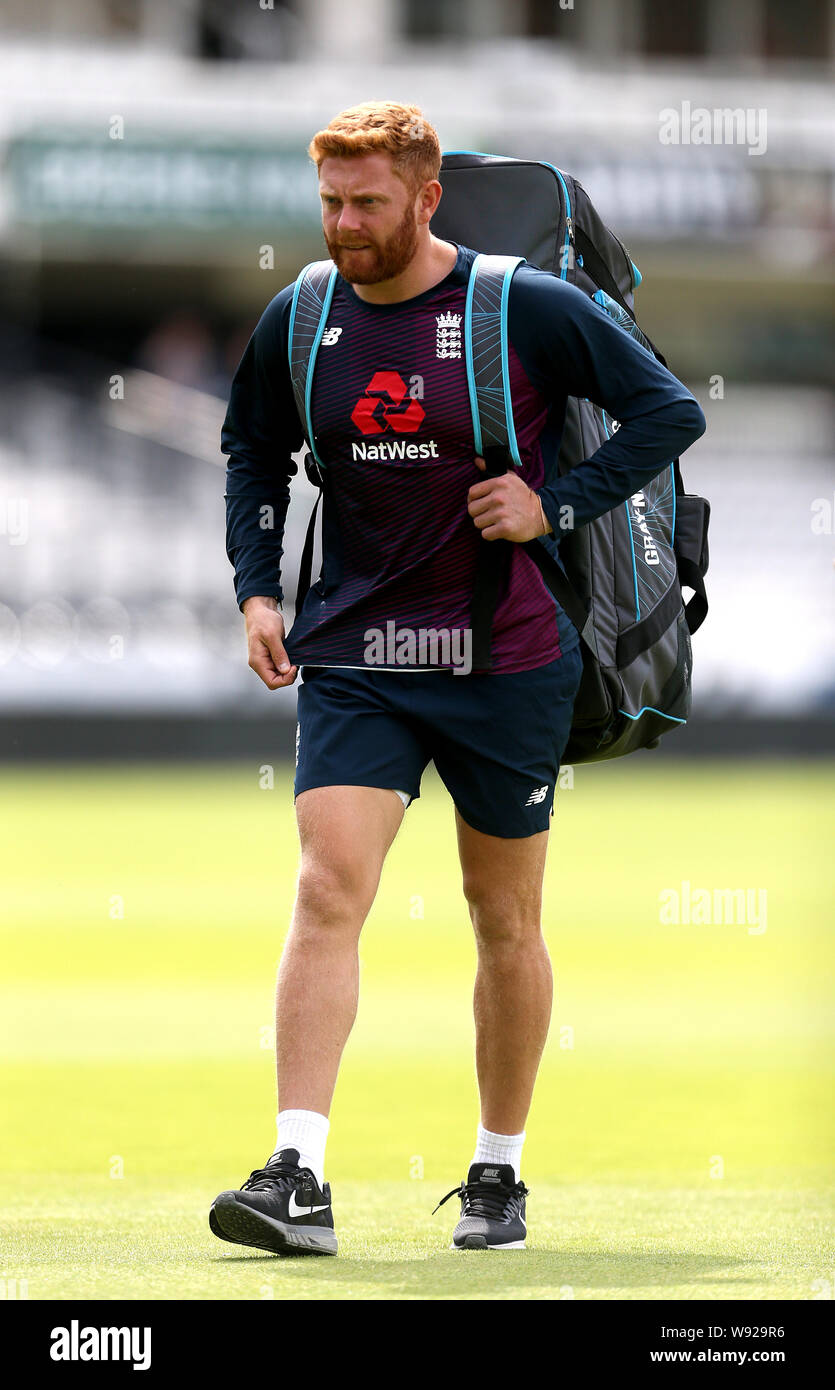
x=345, y=834
x=502, y=881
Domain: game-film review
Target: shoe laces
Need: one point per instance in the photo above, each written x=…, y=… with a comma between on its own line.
x=274, y=1175
x=484, y=1199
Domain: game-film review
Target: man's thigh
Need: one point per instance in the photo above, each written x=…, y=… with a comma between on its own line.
x=497, y=741
x=353, y=730
x=345, y=834
x=358, y=765
x=502, y=878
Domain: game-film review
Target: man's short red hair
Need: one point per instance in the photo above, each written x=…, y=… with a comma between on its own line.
x=401, y=131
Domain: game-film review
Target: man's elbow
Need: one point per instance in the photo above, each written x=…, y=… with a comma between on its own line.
x=691, y=418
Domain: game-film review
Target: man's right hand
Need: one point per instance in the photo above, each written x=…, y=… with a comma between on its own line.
x=265, y=641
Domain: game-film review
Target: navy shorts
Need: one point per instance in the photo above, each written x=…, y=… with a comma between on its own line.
x=496, y=740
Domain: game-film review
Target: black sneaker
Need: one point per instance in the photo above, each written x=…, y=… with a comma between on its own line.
x=280, y=1207
x=492, y=1209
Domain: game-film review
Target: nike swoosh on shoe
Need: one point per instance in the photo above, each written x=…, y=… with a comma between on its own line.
x=295, y=1210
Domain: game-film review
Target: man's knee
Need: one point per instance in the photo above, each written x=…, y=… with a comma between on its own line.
x=501, y=917
x=335, y=891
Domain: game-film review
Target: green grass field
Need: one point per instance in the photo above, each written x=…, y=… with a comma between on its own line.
x=681, y=1139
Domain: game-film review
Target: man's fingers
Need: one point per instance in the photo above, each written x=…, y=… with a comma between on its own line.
x=491, y=515
x=269, y=660
x=483, y=489
x=505, y=508
x=278, y=655
x=275, y=680
x=283, y=678
x=480, y=505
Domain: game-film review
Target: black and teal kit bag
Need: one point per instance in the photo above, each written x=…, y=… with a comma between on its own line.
x=622, y=576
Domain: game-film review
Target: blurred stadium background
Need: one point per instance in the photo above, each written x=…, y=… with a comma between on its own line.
x=155, y=194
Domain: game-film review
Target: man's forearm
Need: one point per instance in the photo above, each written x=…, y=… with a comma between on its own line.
x=261, y=601
x=636, y=454
x=254, y=541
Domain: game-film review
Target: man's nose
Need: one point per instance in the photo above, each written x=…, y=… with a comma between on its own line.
x=349, y=220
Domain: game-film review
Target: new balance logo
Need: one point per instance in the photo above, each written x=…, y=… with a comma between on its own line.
x=538, y=795
x=330, y=336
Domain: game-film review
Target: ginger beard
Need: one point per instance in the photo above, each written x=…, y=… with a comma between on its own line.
x=377, y=262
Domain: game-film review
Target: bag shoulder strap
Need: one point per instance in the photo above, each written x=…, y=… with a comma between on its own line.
x=311, y=304
x=309, y=311
x=488, y=383
x=485, y=353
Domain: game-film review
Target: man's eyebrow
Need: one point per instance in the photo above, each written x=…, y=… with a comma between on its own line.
x=363, y=193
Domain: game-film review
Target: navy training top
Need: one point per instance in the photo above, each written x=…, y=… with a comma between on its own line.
x=393, y=427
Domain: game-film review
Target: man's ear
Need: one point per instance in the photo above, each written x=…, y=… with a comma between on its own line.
x=429, y=198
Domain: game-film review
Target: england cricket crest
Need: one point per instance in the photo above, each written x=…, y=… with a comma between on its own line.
x=448, y=335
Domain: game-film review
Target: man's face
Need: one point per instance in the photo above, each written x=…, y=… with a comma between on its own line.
x=370, y=217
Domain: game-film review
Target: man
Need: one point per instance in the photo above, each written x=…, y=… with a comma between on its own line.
x=401, y=538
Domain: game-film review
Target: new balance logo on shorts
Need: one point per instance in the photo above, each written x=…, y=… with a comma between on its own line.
x=538, y=795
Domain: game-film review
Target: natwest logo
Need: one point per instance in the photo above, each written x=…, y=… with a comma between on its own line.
x=382, y=405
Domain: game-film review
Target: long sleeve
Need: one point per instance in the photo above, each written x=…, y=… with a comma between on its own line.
x=260, y=432
x=571, y=347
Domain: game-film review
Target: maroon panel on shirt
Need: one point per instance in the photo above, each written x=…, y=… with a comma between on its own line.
x=393, y=427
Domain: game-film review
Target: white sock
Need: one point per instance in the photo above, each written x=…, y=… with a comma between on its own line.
x=307, y=1131
x=499, y=1148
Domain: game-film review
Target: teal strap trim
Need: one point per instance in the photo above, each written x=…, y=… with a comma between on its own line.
x=637, y=277
x=468, y=355
x=314, y=349
x=634, y=565
x=565, y=256
x=631, y=540
x=296, y=292
x=308, y=386
x=493, y=325
x=508, y=403
x=673, y=486
x=482, y=154
x=648, y=709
